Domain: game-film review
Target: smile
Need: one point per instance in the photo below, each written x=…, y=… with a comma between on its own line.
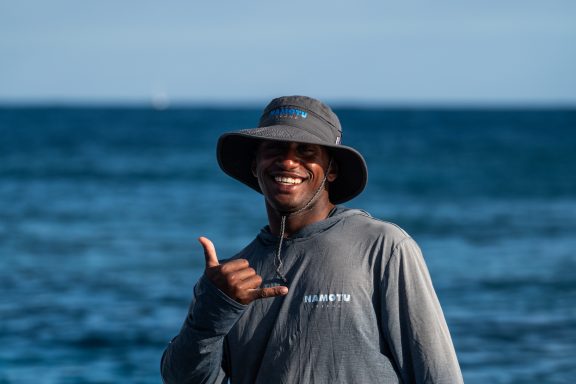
x=288, y=180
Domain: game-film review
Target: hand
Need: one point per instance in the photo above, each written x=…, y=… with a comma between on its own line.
x=236, y=278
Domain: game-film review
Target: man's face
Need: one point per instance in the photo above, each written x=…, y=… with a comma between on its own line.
x=289, y=174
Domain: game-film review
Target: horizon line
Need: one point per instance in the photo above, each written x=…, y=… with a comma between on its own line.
x=259, y=104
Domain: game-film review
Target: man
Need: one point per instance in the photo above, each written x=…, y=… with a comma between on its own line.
x=324, y=294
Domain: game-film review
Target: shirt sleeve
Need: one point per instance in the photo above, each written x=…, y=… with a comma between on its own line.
x=414, y=324
x=196, y=354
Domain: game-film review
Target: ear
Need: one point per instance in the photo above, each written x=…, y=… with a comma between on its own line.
x=253, y=168
x=333, y=171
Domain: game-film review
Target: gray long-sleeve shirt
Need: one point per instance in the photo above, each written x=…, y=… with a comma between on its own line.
x=361, y=308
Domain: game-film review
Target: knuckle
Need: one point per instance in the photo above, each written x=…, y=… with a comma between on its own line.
x=225, y=268
x=231, y=278
x=243, y=262
x=257, y=280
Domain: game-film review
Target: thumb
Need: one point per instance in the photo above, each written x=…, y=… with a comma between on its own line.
x=209, y=252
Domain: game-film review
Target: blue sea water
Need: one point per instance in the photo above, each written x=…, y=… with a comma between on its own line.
x=100, y=209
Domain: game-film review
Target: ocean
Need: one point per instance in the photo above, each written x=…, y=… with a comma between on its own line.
x=100, y=209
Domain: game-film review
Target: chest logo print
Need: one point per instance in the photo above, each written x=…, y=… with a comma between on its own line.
x=327, y=298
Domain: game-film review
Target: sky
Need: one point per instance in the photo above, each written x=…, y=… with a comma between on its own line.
x=362, y=51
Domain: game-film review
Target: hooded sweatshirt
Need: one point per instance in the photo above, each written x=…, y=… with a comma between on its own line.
x=361, y=308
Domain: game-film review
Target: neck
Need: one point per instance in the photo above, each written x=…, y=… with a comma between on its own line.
x=295, y=222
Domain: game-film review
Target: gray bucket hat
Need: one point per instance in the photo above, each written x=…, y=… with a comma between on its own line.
x=297, y=119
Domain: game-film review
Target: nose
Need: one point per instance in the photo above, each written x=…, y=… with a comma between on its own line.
x=289, y=158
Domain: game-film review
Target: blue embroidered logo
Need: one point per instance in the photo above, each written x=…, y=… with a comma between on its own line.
x=288, y=113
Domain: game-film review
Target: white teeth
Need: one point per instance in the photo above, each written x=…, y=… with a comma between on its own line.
x=287, y=180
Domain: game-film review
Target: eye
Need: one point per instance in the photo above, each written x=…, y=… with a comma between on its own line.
x=271, y=148
x=307, y=150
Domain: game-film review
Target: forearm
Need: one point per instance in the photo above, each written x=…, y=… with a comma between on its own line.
x=195, y=354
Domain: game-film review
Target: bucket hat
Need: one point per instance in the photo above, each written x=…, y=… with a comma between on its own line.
x=299, y=119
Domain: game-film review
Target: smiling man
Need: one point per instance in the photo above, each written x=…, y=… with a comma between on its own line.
x=324, y=293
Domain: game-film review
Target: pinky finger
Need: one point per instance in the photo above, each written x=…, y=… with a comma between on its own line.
x=262, y=293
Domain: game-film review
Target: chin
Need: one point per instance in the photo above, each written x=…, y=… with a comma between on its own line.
x=284, y=206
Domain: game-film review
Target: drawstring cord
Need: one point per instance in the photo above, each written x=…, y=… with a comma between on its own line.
x=278, y=256
x=279, y=250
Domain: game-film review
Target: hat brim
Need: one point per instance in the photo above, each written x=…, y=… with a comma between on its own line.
x=236, y=152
